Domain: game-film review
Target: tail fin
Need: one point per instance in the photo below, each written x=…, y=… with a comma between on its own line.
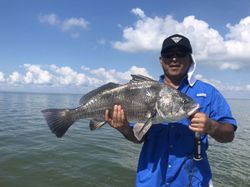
x=59, y=120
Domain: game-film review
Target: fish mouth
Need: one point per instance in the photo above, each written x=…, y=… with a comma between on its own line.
x=194, y=110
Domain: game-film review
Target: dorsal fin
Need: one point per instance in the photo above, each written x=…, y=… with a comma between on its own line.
x=94, y=92
x=140, y=78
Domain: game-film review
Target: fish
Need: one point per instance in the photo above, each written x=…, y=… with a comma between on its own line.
x=145, y=102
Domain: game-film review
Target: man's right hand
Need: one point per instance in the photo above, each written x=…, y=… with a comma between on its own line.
x=118, y=120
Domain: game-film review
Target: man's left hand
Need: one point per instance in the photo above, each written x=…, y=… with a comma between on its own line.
x=201, y=123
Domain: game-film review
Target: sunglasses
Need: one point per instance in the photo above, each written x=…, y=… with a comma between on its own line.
x=178, y=54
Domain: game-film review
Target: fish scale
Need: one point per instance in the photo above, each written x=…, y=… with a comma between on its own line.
x=144, y=100
x=108, y=100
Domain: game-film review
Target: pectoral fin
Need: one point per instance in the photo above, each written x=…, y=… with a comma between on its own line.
x=140, y=129
x=95, y=124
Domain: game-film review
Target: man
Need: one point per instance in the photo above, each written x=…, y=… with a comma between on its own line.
x=166, y=157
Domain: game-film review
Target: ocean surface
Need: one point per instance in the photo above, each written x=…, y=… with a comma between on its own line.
x=31, y=156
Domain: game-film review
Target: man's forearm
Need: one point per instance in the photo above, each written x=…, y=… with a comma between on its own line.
x=129, y=134
x=221, y=132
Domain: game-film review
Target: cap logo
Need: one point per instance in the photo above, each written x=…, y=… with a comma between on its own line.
x=176, y=39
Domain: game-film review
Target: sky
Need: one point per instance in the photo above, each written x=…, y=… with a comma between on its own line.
x=63, y=46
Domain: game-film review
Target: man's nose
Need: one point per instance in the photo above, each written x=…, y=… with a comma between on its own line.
x=174, y=58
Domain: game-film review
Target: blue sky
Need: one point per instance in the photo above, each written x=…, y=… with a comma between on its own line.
x=74, y=46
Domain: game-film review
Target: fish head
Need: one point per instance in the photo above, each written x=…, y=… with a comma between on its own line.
x=173, y=105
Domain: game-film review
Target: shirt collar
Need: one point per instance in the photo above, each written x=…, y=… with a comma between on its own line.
x=190, y=74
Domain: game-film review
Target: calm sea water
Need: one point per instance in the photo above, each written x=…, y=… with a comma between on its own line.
x=31, y=156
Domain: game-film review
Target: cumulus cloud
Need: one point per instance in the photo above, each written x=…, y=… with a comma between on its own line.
x=240, y=31
x=71, y=25
x=138, y=12
x=56, y=76
x=36, y=75
x=50, y=19
x=229, y=66
x=64, y=77
x=144, y=36
x=2, y=79
x=222, y=86
x=148, y=33
x=248, y=87
x=15, y=78
x=67, y=76
x=209, y=46
x=238, y=39
x=112, y=75
x=68, y=24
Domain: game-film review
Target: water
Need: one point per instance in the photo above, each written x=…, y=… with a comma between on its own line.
x=231, y=162
x=30, y=156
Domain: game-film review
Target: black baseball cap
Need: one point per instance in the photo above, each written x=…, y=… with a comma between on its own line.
x=176, y=40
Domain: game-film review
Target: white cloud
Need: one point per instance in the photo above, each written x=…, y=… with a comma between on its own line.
x=222, y=86
x=2, y=79
x=36, y=75
x=138, y=70
x=231, y=52
x=229, y=66
x=238, y=39
x=248, y=87
x=112, y=75
x=55, y=76
x=67, y=76
x=148, y=34
x=71, y=25
x=15, y=78
x=138, y=12
x=50, y=19
x=239, y=31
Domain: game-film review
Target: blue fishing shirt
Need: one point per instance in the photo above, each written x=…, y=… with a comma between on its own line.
x=166, y=157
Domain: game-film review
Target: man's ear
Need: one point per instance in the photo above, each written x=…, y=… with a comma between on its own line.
x=190, y=60
x=161, y=60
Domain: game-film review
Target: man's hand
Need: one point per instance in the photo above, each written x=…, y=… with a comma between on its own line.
x=201, y=123
x=221, y=132
x=118, y=120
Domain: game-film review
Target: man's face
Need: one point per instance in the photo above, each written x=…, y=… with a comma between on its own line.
x=175, y=63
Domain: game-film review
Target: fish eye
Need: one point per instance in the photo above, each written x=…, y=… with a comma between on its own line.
x=184, y=101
